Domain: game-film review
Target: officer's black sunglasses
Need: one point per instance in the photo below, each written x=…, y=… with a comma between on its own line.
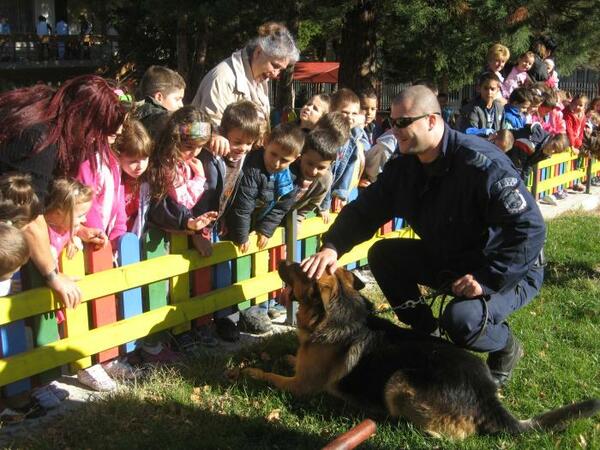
x=403, y=122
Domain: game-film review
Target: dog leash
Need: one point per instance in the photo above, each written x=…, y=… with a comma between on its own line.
x=429, y=300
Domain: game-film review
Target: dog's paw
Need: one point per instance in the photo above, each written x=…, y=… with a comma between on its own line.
x=253, y=372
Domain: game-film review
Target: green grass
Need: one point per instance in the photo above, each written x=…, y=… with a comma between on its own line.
x=202, y=404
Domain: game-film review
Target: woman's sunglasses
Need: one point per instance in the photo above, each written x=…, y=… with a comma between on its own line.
x=403, y=122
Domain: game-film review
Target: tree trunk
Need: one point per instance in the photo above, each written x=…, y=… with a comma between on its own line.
x=200, y=53
x=357, y=50
x=285, y=87
x=183, y=56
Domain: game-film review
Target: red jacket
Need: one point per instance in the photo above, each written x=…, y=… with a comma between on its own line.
x=575, y=127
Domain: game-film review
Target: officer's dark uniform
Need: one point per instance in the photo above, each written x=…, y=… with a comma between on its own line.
x=473, y=215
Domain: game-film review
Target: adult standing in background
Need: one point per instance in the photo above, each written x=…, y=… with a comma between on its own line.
x=543, y=48
x=245, y=75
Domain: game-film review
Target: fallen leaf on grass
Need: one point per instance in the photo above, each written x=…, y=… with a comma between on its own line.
x=582, y=441
x=273, y=416
x=196, y=398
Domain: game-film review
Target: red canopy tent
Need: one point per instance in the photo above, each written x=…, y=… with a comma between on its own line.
x=317, y=72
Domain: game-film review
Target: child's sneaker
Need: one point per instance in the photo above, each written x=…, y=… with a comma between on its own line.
x=61, y=394
x=255, y=320
x=159, y=354
x=96, y=378
x=45, y=397
x=276, y=311
x=120, y=369
x=548, y=200
x=561, y=195
x=578, y=188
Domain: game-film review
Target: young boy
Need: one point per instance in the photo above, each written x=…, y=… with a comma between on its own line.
x=162, y=90
x=266, y=192
x=348, y=155
x=368, y=107
x=312, y=169
x=315, y=108
x=503, y=139
x=484, y=115
x=14, y=252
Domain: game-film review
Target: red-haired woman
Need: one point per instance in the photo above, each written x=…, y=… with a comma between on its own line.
x=46, y=133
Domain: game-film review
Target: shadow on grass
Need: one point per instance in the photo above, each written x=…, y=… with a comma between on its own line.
x=559, y=273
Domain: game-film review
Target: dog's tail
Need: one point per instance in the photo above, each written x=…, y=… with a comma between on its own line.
x=557, y=419
x=501, y=420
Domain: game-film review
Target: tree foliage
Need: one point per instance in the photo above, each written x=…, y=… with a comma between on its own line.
x=445, y=40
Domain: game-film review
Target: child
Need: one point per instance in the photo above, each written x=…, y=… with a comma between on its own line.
x=484, y=115
x=595, y=105
x=348, y=155
x=550, y=114
x=162, y=90
x=312, y=170
x=19, y=204
x=514, y=111
x=575, y=121
x=14, y=252
x=266, y=192
x=315, y=108
x=368, y=107
x=106, y=220
x=552, y=81
x=503, y=139
x=518, y=75
x=66, y=207
x=133, y=148
x=241, y=125
x=177, y=176
x=265, y=195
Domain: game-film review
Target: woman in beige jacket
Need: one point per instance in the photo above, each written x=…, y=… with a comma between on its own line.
x=246, y=73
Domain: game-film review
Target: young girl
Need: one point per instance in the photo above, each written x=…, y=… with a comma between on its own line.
x=575, y=120
x=66, y=208
x=315, y=108
x=133, y=148
x=550, y=115
x=552, y=81
x=177, y=176
x=518, y=75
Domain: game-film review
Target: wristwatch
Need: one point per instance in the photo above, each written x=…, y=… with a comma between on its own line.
x=49, y=277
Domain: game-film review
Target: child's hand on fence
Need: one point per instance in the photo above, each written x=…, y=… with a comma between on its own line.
x=66, y=288
x=243, y=248
x=73, y=246
x=93, y=236
x=261, y=241
x=202, y=221
x=218, y=145
x=325, y=216
x=337, y=204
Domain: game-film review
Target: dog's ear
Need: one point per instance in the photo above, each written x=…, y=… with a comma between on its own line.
x=349, y=280
x=328, y=288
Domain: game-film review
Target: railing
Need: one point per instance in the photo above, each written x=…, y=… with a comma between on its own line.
x=155, y=289
x=17, y=50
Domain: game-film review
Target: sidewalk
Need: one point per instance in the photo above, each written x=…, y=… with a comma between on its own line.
x=575, y=201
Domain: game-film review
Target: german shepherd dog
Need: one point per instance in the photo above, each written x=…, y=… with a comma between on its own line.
x=349, y=352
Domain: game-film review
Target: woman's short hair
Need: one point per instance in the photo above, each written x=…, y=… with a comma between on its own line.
x=498, y=51
x=276, y=41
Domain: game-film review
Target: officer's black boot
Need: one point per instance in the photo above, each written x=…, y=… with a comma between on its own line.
x=502, y=362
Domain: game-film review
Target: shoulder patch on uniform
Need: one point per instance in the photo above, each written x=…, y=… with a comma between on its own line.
x=478, y=160
x=513, y=201
x=504, y=183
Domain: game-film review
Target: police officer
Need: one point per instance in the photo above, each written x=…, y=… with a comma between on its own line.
x=481, y=232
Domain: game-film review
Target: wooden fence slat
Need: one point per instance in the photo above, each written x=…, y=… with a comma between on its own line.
x=104, y=309
x=77, y=319
x=130, y=301
x=180, y=284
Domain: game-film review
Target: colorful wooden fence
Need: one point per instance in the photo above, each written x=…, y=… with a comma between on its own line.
x=170, y=290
